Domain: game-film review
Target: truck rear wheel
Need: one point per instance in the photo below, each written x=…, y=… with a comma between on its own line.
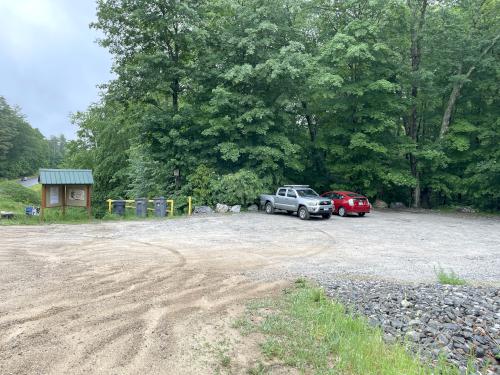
x=303, y=213
x=269, y=208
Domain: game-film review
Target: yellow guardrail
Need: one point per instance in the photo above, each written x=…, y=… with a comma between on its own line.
x=170, y=202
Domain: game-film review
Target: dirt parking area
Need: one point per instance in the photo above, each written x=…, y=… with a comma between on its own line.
x=159, y=297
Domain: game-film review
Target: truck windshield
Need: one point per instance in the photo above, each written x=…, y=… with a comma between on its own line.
x=307, y=193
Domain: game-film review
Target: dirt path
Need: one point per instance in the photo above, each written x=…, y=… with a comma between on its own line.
x=91, y=302
x=159, y=297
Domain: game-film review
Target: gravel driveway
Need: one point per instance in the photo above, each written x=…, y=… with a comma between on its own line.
x=145, y=296
x=399, y=246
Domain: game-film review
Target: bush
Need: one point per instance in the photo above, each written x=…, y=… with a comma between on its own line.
x=242, y=187
x=206, y=187
x=200, y=185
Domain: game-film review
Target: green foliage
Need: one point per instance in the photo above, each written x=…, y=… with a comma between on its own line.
x=242, y=187
x=317, y=92
x=22, y=149
x=200, y=184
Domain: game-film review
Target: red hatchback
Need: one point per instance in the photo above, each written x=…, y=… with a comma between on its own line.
x=347, y=202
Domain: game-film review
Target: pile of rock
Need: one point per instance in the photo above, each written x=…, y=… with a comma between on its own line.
x=223, y=208
x=455, y=321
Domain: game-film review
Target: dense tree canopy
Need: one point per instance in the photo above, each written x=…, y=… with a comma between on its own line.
x=395, y=99
x=22, y=149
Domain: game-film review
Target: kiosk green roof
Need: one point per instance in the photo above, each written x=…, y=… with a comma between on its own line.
x=66, y=177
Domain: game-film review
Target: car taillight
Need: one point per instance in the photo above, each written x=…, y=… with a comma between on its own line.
x=351, y=202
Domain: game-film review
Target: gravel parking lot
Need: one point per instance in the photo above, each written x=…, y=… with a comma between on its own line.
x=142, y=297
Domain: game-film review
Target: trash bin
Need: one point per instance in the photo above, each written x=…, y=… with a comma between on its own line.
x=160, y=206
x=119, y=207
x=141, y=207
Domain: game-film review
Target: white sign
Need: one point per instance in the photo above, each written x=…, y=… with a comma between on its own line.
x=54, y=195
x=76, y=195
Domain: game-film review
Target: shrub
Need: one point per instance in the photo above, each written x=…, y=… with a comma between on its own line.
x=242, y=187
x=200, y=185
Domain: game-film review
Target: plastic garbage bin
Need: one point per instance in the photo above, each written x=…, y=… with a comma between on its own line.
x=141, y=207
x=160, y=206
x=119, y=207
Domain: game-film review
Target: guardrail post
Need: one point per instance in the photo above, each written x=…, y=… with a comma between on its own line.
x=189, y=205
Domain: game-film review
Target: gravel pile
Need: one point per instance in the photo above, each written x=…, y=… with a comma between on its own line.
x=454, y=321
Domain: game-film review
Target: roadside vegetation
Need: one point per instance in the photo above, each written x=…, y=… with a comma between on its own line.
x=306, y=331
x=448, y=277
x=15, y=198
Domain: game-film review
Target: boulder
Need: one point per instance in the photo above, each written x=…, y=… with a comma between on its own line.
x=466, y=210
x=253, y=208
x=202, y=210
x=235, y=209
x=397, y=205
x=380, y=204
x=221, y=208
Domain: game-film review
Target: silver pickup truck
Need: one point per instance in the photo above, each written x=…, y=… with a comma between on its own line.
x=297, y=198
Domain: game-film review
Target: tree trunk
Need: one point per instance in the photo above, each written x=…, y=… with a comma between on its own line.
x=455, y=92
x=175, y=95
x=412, y=123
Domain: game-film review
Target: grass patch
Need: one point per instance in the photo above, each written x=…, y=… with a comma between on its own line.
x=11, y=191
x=448, y=278
x=307, y=331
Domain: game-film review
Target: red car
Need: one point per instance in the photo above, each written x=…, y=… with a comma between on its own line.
x=347, y=202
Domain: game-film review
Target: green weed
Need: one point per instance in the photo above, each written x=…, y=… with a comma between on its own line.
x=448, y=278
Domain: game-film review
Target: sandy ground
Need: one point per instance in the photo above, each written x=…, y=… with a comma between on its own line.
x=159, y=297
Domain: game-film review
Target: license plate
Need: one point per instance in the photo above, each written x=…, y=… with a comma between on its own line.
x=360, y=203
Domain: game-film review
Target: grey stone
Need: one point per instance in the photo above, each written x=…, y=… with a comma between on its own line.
x=479, y=352
x=397, y=324
x=412, y=335
x=405, y=303
x=397, y=205
x=202, y=210
x=221, y=208
x=253, y=208
x=235, y=209
x=380, y=204
x=442, y=339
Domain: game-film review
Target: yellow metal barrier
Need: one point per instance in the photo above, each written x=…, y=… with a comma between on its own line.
x=189, y=205
x=170, y=202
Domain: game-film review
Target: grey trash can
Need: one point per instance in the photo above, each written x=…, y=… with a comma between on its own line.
x=160, y=206
x=119, y=207
x=141, y=207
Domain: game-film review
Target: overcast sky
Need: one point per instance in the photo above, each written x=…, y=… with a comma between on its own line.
x=49, y=61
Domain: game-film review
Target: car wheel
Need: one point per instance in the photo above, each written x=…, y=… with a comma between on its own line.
x=327, y=216
x=269, y=208
x=303, y=213
x=342, y=211
x=362, y=214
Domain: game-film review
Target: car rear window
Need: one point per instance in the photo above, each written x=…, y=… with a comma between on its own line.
x=355, y=195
